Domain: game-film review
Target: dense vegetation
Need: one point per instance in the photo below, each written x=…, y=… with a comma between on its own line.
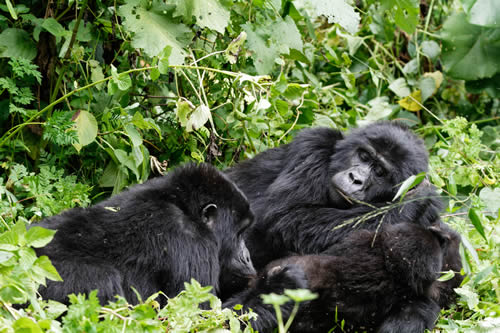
x=99, y=95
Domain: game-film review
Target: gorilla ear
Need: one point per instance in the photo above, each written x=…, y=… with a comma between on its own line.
x=209, y=214
x=440, y=234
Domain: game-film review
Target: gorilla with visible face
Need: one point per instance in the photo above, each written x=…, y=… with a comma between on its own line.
x=153, y=237
x=369, y=276
x=303, y=193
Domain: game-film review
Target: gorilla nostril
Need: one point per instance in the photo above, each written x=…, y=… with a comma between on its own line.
x=354, y=180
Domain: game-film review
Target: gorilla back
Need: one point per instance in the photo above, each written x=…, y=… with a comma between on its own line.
x=153, y=237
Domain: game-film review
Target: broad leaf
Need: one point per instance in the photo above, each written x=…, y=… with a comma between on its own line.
x=406, y=13
x=154, y=29
x=470, y=52
x=86, y=128
x=16, y=43
x=412, y=102
x=39, y=237
x=338, y=11
x=208, y=13
x=484, y=12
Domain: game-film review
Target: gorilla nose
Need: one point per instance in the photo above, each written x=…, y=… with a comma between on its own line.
x=354, y=179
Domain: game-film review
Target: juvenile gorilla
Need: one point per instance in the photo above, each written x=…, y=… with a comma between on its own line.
x=153, y=237
x=300, y=191
x=368, y=276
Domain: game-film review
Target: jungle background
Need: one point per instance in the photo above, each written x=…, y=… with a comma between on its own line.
x=99, y=95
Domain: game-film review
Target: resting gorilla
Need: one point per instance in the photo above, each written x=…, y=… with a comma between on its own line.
x=300, y=192
x=156, y=236
x=368, y=276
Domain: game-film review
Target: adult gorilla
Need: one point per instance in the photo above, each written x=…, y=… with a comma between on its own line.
x=301, y=191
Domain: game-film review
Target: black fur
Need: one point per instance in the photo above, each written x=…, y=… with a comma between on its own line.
x=290, y=189
x=297, y=192
x=376, y=282
x=153, y=237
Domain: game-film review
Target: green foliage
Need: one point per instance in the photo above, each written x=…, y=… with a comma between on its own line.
x=96, y=96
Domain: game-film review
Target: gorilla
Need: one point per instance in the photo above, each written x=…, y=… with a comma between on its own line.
x=301, y=191
x=369, y=276
x=153, y=237
x=158, y=235
x=314, y=192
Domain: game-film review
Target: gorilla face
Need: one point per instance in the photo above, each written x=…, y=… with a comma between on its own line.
x=371, y=162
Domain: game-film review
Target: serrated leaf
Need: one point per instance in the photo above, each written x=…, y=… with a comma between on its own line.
x=470, y=52
x=17, y=43
x=408, y=184
x=263, y=54
x=155, y=28
x=43, y=263
x=208, y=13
x=476, y=222
x=86, y=127
x=39, y=237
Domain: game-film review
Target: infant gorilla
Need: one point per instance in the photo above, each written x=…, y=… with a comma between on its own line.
x=368, y=275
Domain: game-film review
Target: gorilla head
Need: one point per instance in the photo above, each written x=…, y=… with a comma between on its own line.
x=370, y=163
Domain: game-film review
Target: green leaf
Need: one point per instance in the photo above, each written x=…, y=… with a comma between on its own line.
x=274, y=299
x=208, y=13
x=4, y=256
x=406, y=13
x=491, y=198
x=338, y=11
x=12, y=11
x=17, y=43
x=45, y=266
x=86, y=128
x=39, y=237
x=470, y=52
x=198, y=118
x=447, y=276
x=399, y=87
x=263, y=53
x=26, y=325
x=476, y=221
x=55, y=28
x=134, y=135
x=431, y=49
x=301, y=295
x=408, y=184
x=470, y=296
x=123, y=81
x=155, y=28
x=484, y=13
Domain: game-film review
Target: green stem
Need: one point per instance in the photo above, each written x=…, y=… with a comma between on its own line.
x=11, y=132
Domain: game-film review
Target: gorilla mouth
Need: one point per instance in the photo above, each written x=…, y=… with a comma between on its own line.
x=343, y=195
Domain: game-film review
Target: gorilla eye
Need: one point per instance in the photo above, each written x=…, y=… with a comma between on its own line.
x=379, y=171
x=364, y=156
